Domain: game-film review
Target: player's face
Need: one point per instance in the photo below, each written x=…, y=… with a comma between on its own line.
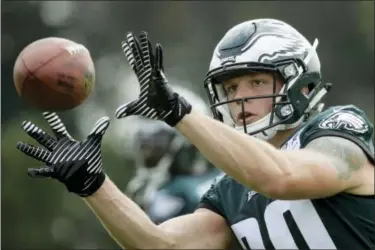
x=251, y=85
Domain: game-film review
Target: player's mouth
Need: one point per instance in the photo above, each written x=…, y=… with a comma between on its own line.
x=247, y=116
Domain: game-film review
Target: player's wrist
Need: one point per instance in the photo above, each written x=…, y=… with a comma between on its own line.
x=180, y=109
x=87, y=191
x=95, y=185
x=187, y=123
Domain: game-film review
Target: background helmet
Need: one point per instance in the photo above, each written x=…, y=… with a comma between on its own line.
x=267, y=45
x=162, y=152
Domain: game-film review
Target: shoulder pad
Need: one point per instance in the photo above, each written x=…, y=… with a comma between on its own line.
x=344, y=118
x=348, y=122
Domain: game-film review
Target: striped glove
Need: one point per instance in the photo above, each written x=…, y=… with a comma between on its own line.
x=156, y=99
x=77, y=164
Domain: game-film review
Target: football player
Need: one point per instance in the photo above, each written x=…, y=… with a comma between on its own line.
x=171, y=174
x=297, y=177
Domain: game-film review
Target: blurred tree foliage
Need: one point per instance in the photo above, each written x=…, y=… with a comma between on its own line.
x=41, y=213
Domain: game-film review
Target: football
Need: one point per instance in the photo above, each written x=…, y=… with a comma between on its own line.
x=54, y=74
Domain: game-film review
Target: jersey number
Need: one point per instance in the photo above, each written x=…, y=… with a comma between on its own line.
x=290, y=225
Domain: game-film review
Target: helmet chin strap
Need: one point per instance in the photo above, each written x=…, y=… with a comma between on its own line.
x=268, y=134
x=263, y=135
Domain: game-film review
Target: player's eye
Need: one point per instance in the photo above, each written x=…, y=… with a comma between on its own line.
x=257, y=82
x=230, y=89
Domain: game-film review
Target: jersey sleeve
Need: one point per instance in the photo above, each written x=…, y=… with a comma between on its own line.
x=348, y=122
x=212, y=199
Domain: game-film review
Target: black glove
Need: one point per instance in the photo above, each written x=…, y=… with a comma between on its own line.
x=156, y=99
x=77, y=164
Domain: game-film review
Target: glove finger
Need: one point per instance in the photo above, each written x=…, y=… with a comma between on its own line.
x=129, y=56
x=159, y=57
x=100, y=126
x=138, y=107
x=35, y=152
x=56, y=125
x=127, y=109
x=139, y=50
x=45, y=172
x=146, y=49
x=152, y=56
x=136, y=50
x=39, y=135
x=142, y=77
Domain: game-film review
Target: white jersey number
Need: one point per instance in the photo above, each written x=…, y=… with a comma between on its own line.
x=306, y=218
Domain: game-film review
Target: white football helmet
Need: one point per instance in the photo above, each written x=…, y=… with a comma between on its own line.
x=267, y=45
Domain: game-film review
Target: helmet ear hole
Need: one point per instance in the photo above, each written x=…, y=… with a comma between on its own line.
x=306, y=91
x=310, y=86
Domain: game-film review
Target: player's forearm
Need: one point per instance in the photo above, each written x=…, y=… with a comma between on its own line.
x=250, y=161
x=125, y=221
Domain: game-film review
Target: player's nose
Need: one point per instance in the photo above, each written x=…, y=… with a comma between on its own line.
x=243, y=91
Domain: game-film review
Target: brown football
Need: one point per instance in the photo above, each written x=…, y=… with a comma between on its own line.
x=54, y=74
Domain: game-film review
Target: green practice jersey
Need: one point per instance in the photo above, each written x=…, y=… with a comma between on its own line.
x=342, y=221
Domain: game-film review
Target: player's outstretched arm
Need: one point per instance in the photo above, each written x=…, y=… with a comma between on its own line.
x=327, y=166
x=252, y=162
x=132, y=228
x=78, y=165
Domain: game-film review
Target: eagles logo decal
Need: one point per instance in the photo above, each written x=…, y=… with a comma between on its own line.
x=345, y=120
x=226, y=60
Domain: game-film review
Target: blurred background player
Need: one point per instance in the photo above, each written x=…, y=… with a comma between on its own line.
x=171, y=174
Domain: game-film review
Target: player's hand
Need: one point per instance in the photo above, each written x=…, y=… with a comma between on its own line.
x=156, y=99
x=77, y=164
